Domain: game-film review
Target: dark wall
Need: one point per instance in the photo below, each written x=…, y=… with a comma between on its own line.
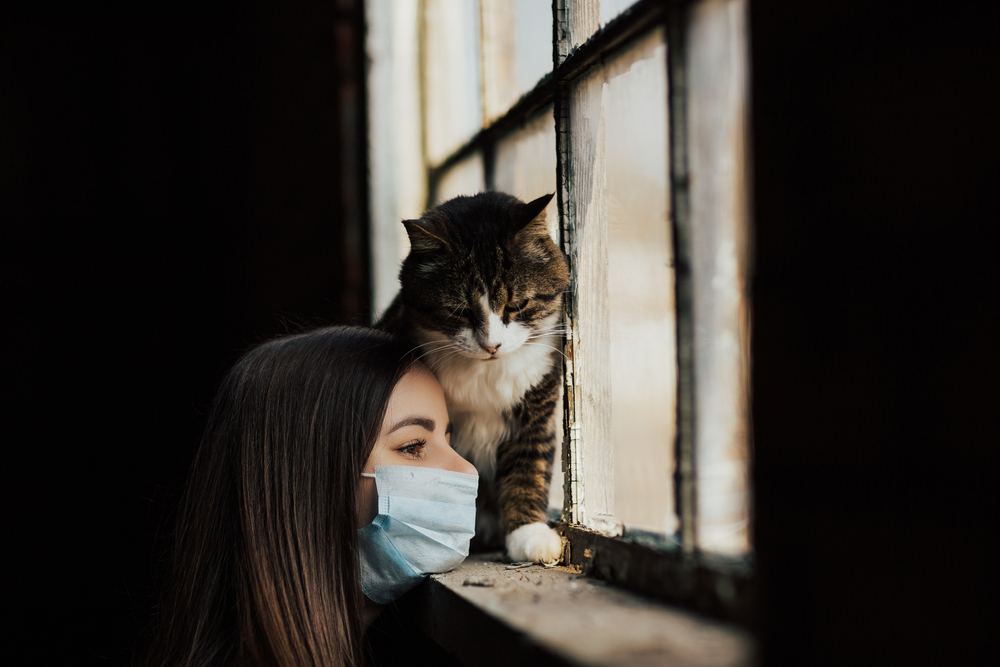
x=175, y=187
x=875, y=331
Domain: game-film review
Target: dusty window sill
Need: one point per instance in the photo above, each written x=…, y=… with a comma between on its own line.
x=484, y=613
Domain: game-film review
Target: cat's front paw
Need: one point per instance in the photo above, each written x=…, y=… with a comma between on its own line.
x=534, y=542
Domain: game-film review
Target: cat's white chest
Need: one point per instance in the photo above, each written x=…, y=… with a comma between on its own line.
x=480, y=395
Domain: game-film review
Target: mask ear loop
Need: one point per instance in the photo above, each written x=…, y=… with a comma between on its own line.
x=375, y=466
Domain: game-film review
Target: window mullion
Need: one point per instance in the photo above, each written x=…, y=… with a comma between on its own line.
x=571, y=450
x=684, y=475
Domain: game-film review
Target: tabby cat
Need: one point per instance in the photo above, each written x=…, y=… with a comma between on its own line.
x=481, y=294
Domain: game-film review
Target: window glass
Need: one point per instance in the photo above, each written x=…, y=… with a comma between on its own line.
x=587, y=16
x=479, y=57
x=624, y=352
x=716, y=159
x=465, y=178
x=526, y=164
x=517, y=50
x=451, y=77
x=396, y=169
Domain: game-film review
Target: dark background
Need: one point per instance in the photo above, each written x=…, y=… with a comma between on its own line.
x=178, y=186
x=875, y=331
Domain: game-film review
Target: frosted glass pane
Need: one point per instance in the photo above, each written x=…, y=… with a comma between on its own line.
x=526, y=165
x=465, y=178
x=526, y=168
x=452, y=95
x=517, y=50
x=716, y=57
x=587, y=16
x=397, y=172
x=624, y=351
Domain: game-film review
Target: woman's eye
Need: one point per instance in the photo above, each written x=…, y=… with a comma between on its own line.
x=413, y=449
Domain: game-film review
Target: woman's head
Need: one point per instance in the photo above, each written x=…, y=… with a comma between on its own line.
x=266, y=551
x=415, y=431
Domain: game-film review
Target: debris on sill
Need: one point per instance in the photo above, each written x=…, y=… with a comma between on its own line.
x=478, y=581
x=587, y=620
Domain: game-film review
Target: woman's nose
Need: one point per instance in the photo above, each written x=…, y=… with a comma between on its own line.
x=459, y=464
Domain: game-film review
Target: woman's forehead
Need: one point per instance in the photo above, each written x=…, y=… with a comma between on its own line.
x=418, y=391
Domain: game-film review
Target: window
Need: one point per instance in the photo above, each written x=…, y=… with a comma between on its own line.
x=634, y=113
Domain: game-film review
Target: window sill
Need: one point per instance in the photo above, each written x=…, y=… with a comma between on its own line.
x=485, y=613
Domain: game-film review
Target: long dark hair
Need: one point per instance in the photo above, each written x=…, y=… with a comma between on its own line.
x=265, y=560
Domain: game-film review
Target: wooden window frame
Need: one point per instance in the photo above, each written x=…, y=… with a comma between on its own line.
x=669, y=568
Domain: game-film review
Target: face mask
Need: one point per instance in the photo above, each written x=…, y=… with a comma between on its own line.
x=426, y=518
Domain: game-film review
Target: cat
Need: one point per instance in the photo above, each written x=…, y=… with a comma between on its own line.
x=481, y=294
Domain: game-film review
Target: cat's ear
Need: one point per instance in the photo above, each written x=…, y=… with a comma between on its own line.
x=425, y=235
x=531, y=215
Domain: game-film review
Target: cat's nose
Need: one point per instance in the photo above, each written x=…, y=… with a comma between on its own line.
x=492, y=349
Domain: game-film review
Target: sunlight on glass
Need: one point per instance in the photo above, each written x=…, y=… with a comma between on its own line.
x=717, y=156
x=526, y=164
x=625, y=353
x=465, y=178
x=587, y=16
x=452, y=99
x=396, y=172
x=517, y=50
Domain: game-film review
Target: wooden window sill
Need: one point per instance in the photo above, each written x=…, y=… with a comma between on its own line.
x=486, y=613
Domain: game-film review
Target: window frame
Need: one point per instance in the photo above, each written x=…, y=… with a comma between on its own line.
x=670, y=568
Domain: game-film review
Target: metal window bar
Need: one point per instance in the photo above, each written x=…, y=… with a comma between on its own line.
x=669, y=568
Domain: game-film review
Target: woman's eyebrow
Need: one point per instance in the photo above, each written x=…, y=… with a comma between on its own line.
x=426, y=422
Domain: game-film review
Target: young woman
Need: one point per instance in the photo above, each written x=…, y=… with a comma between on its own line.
x=324, y=487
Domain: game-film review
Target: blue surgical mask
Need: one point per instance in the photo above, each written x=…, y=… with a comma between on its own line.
x=426, y=519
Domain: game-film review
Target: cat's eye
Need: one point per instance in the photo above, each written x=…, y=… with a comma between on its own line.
x=460, y=313
x=514, y=307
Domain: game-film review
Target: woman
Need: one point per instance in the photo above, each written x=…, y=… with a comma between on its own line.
x=325, y=486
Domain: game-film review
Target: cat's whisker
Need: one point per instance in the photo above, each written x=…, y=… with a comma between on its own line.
x=535, y=338
x=456, y=353
x=445, y=346
x=548, y=333
x=430, y=342
x=549, y=346
x=439, y=361
x=435, y=350
x=441, y=344
x=545, y=334
x=449, y=345
x=431, y=353
x=435, y=363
